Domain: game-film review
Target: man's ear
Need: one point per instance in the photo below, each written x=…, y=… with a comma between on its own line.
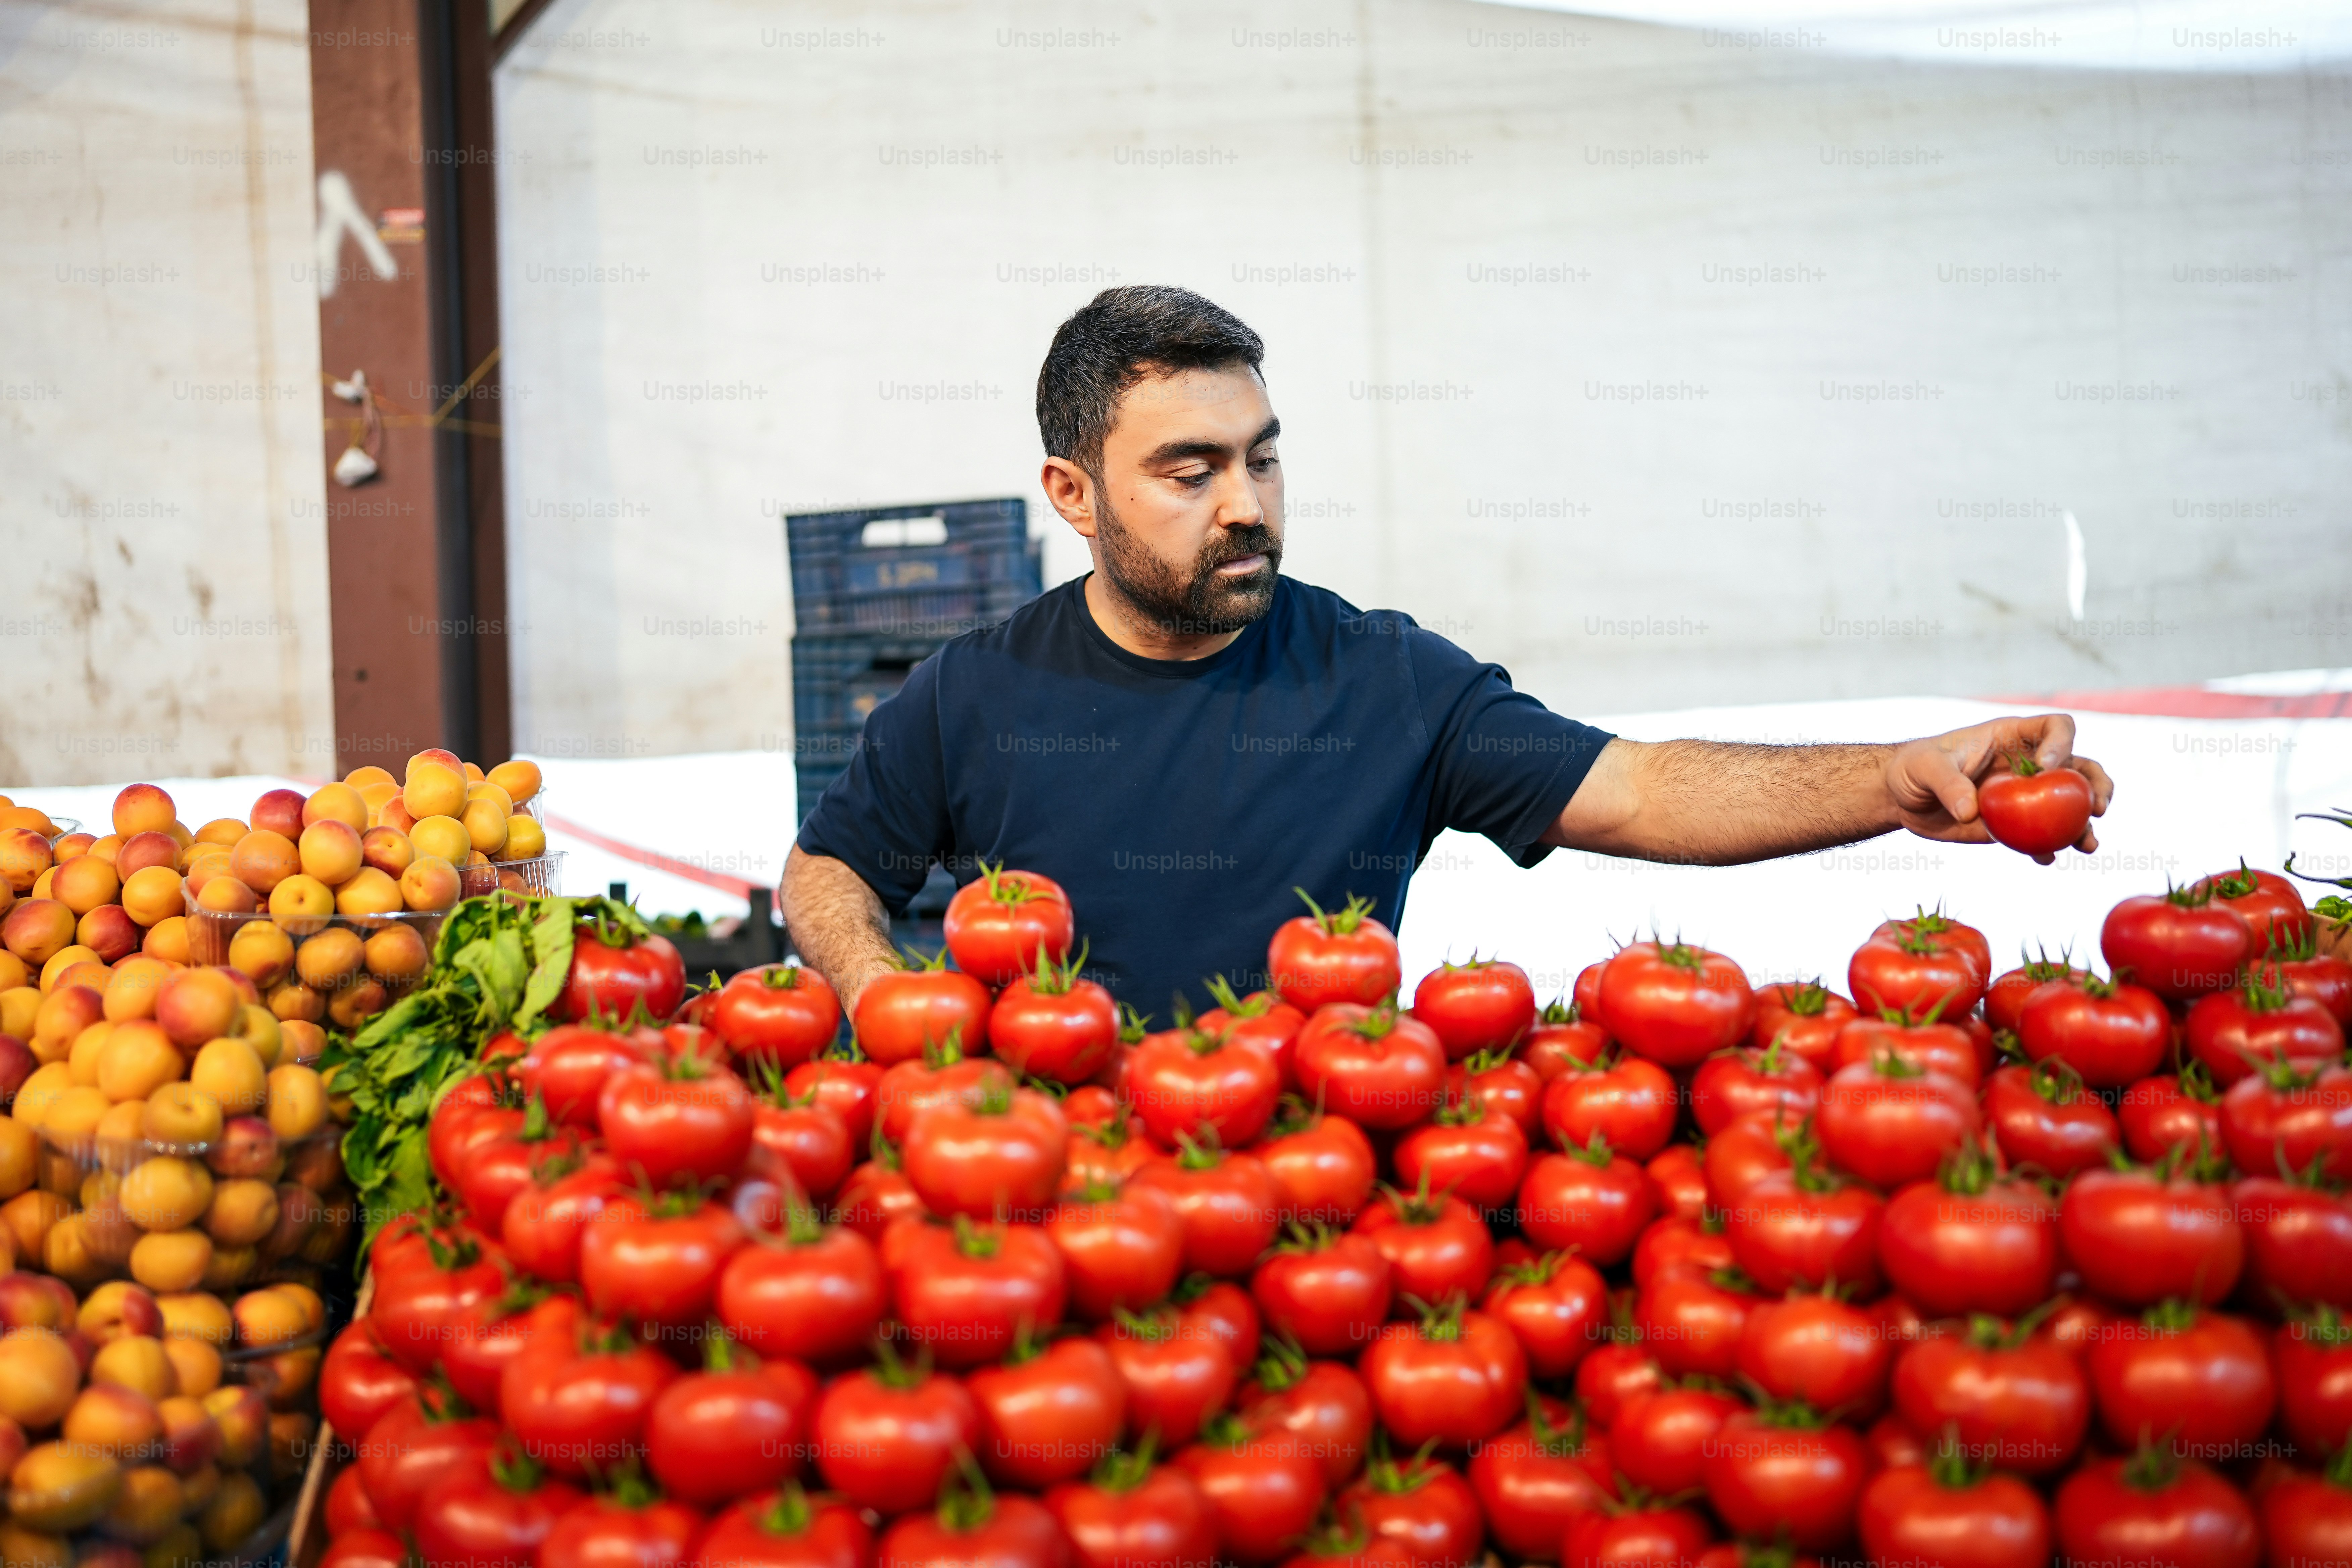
x=1072, y=491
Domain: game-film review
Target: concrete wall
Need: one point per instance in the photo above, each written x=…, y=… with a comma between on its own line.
x=162, y=534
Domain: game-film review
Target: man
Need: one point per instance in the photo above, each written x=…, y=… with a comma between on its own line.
x=1184, y=736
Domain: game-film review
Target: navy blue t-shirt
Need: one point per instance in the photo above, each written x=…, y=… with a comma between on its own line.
x=1179, y=801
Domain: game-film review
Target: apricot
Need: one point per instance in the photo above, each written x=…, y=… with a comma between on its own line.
x=59, y=1487
x=261, y=951
x=231, y=1072
x=395, y=813
x=246, y=1147
x=109, y=932
x=139, y=1060
x=330, y=958
x=170, y=1261
x=266, y=1319
x=293, y=1002
x=369, y=892
x=39, y=1092
x=142, y=850
x=443, y=837
x=330, y=849
x=296, y=1102
x=180, y=1115
x=144, y=808
x=71, y=960
x=152, y=894
x=368, y=773
x=138, y=1362
x=265, y=857
x=13, y=974
x=375, y=795
x=64, y=1013
x=256, y=1025
x=433, y=790
x=20, y=1151
x=526, y=840
x=485, y=790
x=121, y=1423
x=24, y=856
x=441, y=755
x=197, y=1004
x=209, y=861
x=42, y=883
x=38, y=1377
x=145, y=1510
x=302, y=1040
x=486, y=826
x=106, y=847
x=167, y=939
x=286, y=1380
x=166, y=1192
x=242, y=1213
x=387, y=850
x=431, y=884
x=132, y=989
x=122, y=1136
x=230, y=1267
x=75, y=1112
x=197, y=1315
x=335, y=803
x=221, y=832
x=81, y=1056
x=236, y=1510
x=37, y=930
x=357, y=1003
x=396, y=953
x=279, y=811
x=85, y=882
x=19, y=1006
x=226, y=895
x=196, y=1365
x=301, y=904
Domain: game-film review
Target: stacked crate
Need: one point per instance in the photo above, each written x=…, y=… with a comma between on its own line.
x=876, y=591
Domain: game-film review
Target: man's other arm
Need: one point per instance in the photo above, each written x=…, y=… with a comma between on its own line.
x=838, y=923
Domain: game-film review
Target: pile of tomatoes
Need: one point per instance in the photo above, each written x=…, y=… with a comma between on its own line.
x=1965, y=1268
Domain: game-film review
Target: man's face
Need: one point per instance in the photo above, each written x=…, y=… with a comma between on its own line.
x=1188, y=507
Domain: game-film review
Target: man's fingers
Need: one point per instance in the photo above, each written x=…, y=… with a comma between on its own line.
x=2057, y=739
x=2103, y=788
x=1952, y=786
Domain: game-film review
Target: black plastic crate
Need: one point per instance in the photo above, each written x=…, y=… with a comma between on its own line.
x=924, y=571
x=838, y=681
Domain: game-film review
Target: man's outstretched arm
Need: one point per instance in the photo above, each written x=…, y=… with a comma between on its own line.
x=837, y=923
x=1720, y=804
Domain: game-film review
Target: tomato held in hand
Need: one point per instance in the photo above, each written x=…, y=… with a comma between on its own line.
x=996, y=925
x=2017, y=1399
x=905, y=1014
x=1343, y=956
x=2153, y=1508
x=1329, y=1292
x=779, y=1012
x=1555, y=1305
x=1673, y=1003
x=2043, y=1116
x=886, y=1436
x=785, y=1529
x=2035, y=810
x=1376, y=1067
x=1948, y=1512
x=1133, y=1514
x=1483, y=1005
x=1053, y=1022
x=2179, y=944
x=1189, y=1084
x=1452, y=1378
x=1589, y=1200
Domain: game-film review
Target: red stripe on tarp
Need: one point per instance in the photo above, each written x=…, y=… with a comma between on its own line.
x=659, y=862
x=2190, y=702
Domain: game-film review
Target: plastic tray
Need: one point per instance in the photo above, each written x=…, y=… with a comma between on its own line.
x=210, y=931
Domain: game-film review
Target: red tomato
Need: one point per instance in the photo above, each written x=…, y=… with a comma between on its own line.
x=2109, y=1032
x=1805, y=1227
x=998, y=924
x=1629, y=1101
x=1263, y=1489
x=1537, y=1481
x=358, y=1382
x=2233, y=1034
x=1890, y=1124
x=2180, y=944
x=498, y=1519
x=490, y=1172
x=1675, y=1004
x=1483, y=1005
x=1555, y=1304
x=349, y=1507
x=1614, y=1375
x=1588, y=1199
x=2042, y=1116
x=416, y=1308
x=886, y=1436
x=814, y=1294
x=682, y=1121
x=795, y=1137
x=2308, y=1519
x=1950, y=1515
x=1008, y=1531
x=1002, y=1157
x=1506, y=1084
x=1452, y=1378
x=1055, y=1024
x=616, y=969
x=1329, y=1292
x=420, y=1446
x=1476, y=1152
x=2006, y=998
x=1435, y=1248
x=2159, y=1115
x=1972, y=1241
x=567, y=1070
x=1732, y=1084
x=1692, y=1321
x=1121, y=1248
x=460, y=1123
x=1561, y=1035
x=2298, y=1241
x=1343, y=956
x=2152, y=1509
x=784, y=1530
x=658, y=1261
x=1766, y=1479
x=1376, y=1067
x=1109, y=1151
x=1048, y=1412
x=1177, y=1372
x=780, y=1014
x=1184, y=1083
x=543, y=1224
x=579, y=1396
x=905, y=1014
x=1660, y=1441
x=1677, y=1176
x=2302, y=968
x=1228, y=1205
x=1817, y=1349
x=1419, y=1504
x=2035, y=810
x=365, y=1547
x=1223, y=1310
x=1754, y=1147
x=1322, y=1404
x=966, y=1292
x=1946, y=1048
x=942, y=1075
x=2144, y=1236
x=1802, y=1017
x=1651, y=1537
x=2020, y=1402
x=737, y=1427
x=1134, y=1514
x=1674, y=1242
x=843, y=1084
x=627, y=1528
x=1322, y=1166
x=2202, y=1379
x=2270, y=905
x=1927, y=968
x=485, y=1337
x=2285, y=1119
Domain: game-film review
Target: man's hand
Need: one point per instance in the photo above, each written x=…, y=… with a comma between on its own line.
x=1933, y=782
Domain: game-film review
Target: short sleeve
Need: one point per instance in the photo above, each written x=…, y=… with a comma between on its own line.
x=885, y=815
x=1504, y=765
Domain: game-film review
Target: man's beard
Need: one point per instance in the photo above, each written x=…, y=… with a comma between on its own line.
x=1195, y=602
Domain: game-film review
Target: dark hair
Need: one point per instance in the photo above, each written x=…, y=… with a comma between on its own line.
x=1116, y=340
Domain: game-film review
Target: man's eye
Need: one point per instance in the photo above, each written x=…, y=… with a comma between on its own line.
x=1195, y=480
x=1260, y=465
